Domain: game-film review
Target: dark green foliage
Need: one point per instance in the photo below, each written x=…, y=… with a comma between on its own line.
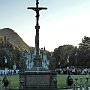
x=52, y=63
x=78, y=57
x=61, y=55
x=73, y=57
x=11, y=53
x=84, y=52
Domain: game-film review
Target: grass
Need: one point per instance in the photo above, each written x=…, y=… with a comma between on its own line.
x=14, y=81
x=61, y=80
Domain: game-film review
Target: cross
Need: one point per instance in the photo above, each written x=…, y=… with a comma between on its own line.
x=37, y=27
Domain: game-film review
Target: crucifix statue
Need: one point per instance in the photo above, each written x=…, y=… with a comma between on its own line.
x=37, y=27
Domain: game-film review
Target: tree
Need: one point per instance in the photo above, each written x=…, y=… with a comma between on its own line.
x=52, y=63
x=10, y=52
x=84, y=52
x=73, y=58
x=61, y=55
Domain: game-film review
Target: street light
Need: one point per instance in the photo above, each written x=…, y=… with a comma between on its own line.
x=76, y=62
x=76, y=59
x=59, y=63
x=68, y=59
x=67, y=64
x=10, y=63
x=5, y=62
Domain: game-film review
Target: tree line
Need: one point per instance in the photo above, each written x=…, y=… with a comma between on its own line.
x=69, y=55
x=9, y=54
x=63, y=56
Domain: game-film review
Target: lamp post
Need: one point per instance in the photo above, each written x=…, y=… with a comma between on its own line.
x=59, y=64
x=76, y=59
x=10, y=63
x=67, y=64
x=5, y=61
x=68, y=59
x=76, y=62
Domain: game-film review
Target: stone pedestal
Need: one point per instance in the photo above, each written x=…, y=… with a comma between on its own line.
x=40, y=79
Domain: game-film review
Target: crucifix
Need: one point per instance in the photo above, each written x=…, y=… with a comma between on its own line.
x=37, y=27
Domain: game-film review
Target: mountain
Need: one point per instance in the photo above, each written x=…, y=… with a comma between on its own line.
x=14, y=38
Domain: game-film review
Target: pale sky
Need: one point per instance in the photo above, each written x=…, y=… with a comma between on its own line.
x=65, y=21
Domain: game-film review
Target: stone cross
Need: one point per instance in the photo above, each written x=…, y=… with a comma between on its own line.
x=37, y=27
x=37, y=60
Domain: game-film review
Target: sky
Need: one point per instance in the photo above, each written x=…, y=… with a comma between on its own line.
x=64, y=22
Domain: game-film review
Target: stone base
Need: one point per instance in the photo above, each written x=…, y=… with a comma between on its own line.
x=38, y=80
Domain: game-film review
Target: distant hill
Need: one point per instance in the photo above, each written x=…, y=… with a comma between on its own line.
x=14, y=38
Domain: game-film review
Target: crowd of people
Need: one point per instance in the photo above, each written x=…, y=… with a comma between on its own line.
x=83, y=71
x=9, y=72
